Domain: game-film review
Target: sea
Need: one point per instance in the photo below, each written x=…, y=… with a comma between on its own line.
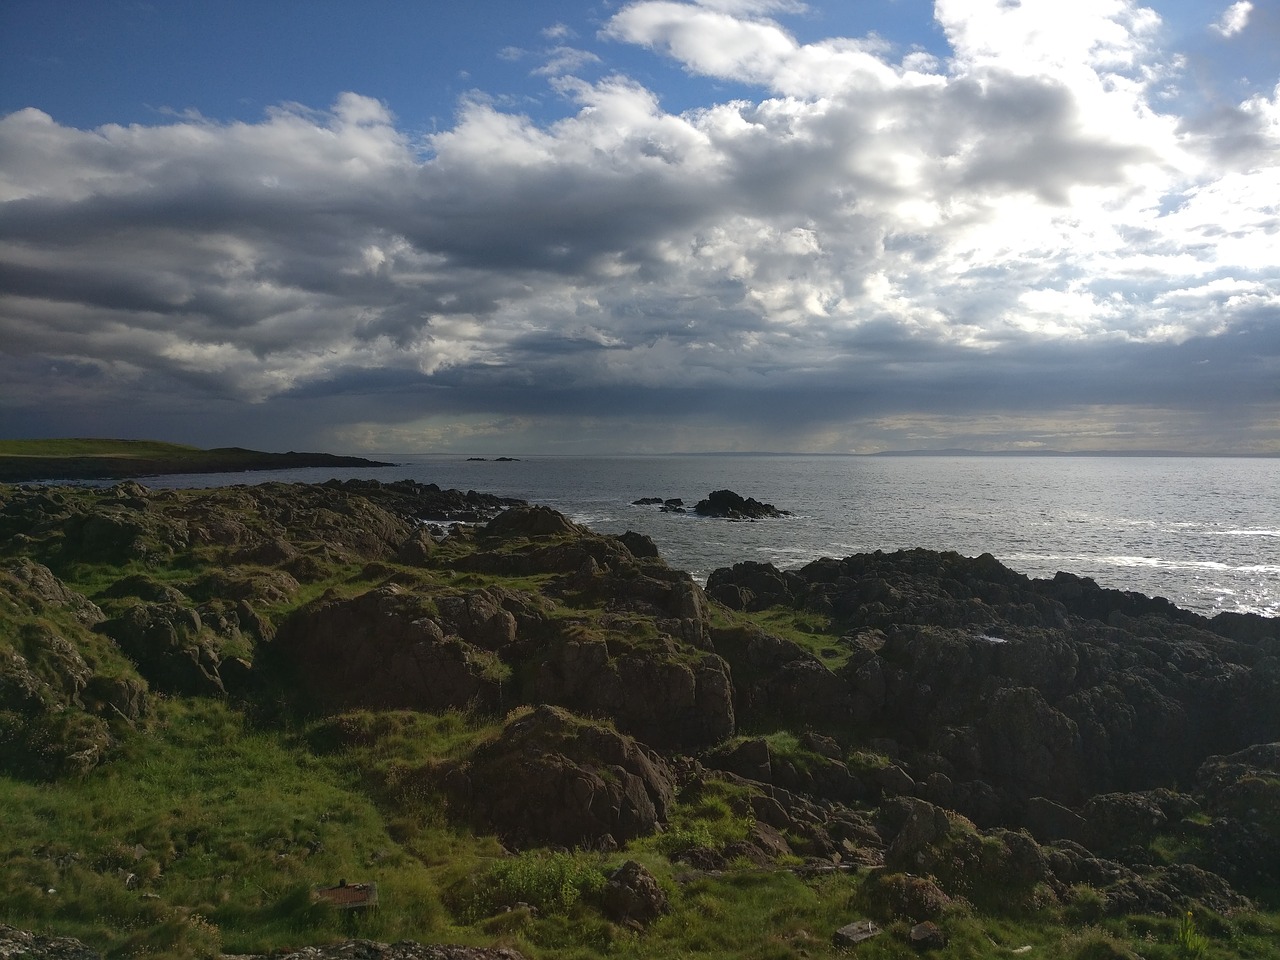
x=1202, y=532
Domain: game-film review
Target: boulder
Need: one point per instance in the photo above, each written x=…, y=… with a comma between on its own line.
x=640, y=545
x=632, y=896
x=926, y=936
x=905, y=896
x=553, y=778
x=531, y=523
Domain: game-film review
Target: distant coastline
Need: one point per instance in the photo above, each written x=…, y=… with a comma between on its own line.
x=23, y=461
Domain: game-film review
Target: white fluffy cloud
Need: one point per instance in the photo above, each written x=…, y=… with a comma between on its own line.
x=1234, y=19
x=874, y=236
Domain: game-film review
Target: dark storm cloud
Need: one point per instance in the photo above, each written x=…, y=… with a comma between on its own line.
x=996, y=240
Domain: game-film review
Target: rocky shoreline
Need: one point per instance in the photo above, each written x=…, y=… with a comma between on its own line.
x=952, y=735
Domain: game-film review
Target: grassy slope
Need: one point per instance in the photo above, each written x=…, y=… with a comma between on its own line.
x=229, y=827
x=89, y=447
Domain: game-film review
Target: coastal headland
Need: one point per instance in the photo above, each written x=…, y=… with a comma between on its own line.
x=224, y=712
x=96, y=459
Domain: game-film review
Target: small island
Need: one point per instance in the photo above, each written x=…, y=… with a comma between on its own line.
x=23, y=461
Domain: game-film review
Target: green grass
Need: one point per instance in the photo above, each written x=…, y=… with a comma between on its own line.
x=226, y=828
x=810, y=631
x=226, y=821
x=88, y=447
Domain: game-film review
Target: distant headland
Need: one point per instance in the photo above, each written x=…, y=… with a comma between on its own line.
x=99, y=459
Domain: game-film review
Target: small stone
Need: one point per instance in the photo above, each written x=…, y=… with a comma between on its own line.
x=927, y=936
x=854, y=933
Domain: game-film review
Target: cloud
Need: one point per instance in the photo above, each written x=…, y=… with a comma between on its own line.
x=1006, y=237
x=563, y=60
x=559, y=31
x=1234, y=19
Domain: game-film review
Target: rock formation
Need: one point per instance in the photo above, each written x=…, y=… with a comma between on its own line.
x=985, y=740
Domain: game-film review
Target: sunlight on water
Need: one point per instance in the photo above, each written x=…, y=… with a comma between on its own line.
x=1200, y=532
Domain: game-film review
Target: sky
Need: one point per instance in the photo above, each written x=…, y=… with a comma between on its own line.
x=642, y=226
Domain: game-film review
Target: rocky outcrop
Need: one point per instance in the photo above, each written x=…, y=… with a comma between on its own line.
x=169, y=645
x=815, y=772
x=15, y=943
x=1055, y=689
x=728, y=505
x=389, y=649
x=660, y=691
x=980, y=737
x=632, y=896
x=554, y=778
x=775, y=678
x=65, y=697
x=37, y=588
x=1242, y=796
x=531, y=523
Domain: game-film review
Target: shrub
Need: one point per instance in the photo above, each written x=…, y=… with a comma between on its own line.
x=551, y=883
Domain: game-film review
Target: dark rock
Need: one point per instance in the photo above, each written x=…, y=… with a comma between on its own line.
x=1114, y=821
x=553, y=778
x=763, y=583
x=641, y=546
x=1057, y=689
x=663, y=692
x=40, y=584
x=927, y=936
x=904, y=896
x=775, y=677
x=170, y=647
x=729, y=505
x=146, y=588
x=923, y=826
x=1049, y=821
x=749, y=759
x=1168, y=890
x=387, y=649
x=418, y=549
x=532, y=523
x=1242, y=794
x=632, y=896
